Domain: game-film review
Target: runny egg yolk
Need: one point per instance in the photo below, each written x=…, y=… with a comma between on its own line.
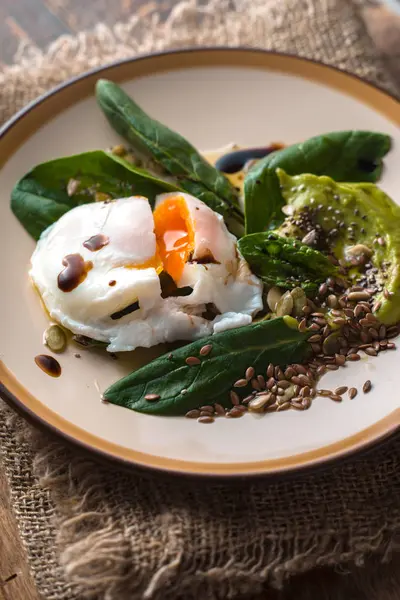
x=174, y=235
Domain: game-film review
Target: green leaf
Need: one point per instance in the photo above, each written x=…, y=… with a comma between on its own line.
x=285, y=262
x=40, y=198
x=232, y=352
x=343, y=155
x=169, y=149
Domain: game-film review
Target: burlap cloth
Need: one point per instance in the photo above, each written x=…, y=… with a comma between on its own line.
x=92, y=531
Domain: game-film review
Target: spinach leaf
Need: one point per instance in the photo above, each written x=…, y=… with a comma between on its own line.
x=194, y=174
x=44, y=194
x=343, y=155
x=232, y=352
x=285, y=262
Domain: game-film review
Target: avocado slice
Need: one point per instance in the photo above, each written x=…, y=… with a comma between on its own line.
x=341, y=217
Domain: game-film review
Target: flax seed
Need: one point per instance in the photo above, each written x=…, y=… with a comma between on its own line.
x=336, y=398
x=332, y=367
x=284, y=406
x=192, y=361
x=193, y=414
x=367, y=386
x=219, y=409
x=249, y=373
x=352, y=393
x=152, y=397
x=261, y=381
x=206, y=413
x=270, y=370
x=205, y=350
x=353, y=357
x=302, y=325
x=207, y=407
x=234, y=398
x=339, y=391
x=289, y=372
x=205, y=419
x=240, y=383
x=340, y=359
x=324, y=393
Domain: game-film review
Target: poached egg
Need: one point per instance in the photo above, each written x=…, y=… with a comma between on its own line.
x=102, y=269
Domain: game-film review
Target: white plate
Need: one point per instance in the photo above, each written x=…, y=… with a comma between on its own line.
x=212, y=97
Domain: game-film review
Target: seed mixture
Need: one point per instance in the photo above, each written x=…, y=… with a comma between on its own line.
x=343, y=327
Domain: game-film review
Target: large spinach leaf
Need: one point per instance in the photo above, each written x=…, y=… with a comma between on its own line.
x=194, y=174
x=285, y=262
x=342, y=155
x=182, y=387
x=51, y=189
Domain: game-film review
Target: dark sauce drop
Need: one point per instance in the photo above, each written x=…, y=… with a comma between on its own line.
x=235, y=161
x=48, y=364
x=76, y=270
x=96, y=242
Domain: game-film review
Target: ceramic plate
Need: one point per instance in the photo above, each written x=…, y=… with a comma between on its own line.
x=212, y=97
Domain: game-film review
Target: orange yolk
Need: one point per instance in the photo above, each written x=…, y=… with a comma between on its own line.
x=174, y=235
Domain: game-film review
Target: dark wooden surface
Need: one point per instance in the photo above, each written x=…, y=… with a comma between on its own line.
x=40, y=22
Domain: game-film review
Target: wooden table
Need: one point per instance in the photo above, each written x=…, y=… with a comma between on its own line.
x=41, y=21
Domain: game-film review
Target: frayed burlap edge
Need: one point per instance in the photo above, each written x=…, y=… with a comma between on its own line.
x=254, y=23
x=140, y=538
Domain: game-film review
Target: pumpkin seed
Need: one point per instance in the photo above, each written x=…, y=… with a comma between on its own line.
x=299, y=300
x=273, y=296
x=284, y=306
x=55, y=338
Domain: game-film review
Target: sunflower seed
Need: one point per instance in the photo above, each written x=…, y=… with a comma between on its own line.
x=259, y=402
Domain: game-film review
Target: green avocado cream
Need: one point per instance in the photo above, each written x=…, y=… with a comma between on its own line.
x=344, y=217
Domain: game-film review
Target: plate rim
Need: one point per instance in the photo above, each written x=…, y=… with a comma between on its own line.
x=12, y=391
